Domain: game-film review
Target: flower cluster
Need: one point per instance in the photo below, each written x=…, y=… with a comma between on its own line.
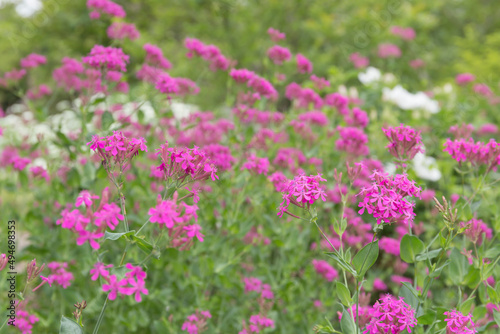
x=302, y=190
x=304, y=65
x=255, y=284
x=404, y=142
x=279, y=54
x=391, y=315
x=108, y=7
x=67, y=76
x=33, y=60
x=325, y=269
x=458, y=323
x=256, y=165
x=358, y=60
x=405, y=33
x=476, y=153
x=257, y=323
x=475, y=230
x=117, y=149
x=122, y=30
x=107, y=57
x=25, y=321
x=275, y=34
x=352, y=140
x=181, y=163
x=210, y=53
x=303, y=96
x=59, y=275
x=196, y=323
x=389, y=51
x=175, y=217
x=132, y=284
x=464, y=78
x=385, y=199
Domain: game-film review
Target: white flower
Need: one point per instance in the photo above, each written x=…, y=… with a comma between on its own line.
x=408, y=101
x=425, y=167
x=372, y=74
x=182, y=110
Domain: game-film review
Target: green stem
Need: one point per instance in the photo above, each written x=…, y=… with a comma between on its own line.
x=101, y=316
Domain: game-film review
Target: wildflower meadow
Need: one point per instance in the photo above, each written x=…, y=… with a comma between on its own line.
x=240, y=167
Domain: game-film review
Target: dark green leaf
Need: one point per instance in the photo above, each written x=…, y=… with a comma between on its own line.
x=458, y=266
x=409, y=294
x=365, y=258
x=427, y=318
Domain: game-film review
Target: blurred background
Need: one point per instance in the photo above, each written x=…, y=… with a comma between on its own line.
x=451, y=36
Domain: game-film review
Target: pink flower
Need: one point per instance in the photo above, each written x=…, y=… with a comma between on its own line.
x=405, y=33
x=194, y=231
x=165, y=213
x=279, y=54
x=33, y=60
x=458, y=323
x=358, y=60
x=476, y=153
x=114, y=287
x=275, y=34
x=154, y=56
x=89, y=236
x=378, y=284
x=122, y=30
x=304, y=65
x=404, y=142
x=105, y=6
x=242, y=75
x=464, y=78
x=109, y=57
x=100, y=270
x=353, y=141
x=325, y=269
x=302, y=190
x=417, y=63
x=391, y=315
x=137, y=287
x=389, y=51
x=389, y=245
x=108, y=215
x=386, y=198
x=483, y=89
x=85, y=198
x=256, y=165
x=475, y=230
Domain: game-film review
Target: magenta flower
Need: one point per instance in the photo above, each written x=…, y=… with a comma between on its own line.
x=85, y=198
x=475, y=230
x=194, y=231
x=464, y=78
x=108, y=215
x=165, y=213
x=114, y=287
x=458, y=323
x=391, y=315
x=358, y=60
x=89, y=236
x=302, y=190
x=108, y=57
x=33, y=60
x=386, y=198
x=100, y=270
x=404, y=142
x=325, y=269
x=256, y=165
x=279, y=54
x=388, y=50
x=304, y=65
x=275, y=34
x=137, y=288
x=122, y=30
x=105, y=6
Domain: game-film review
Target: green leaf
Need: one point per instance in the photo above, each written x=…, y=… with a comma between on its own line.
x=116, y=236
x=347, y=324
x=458, y=266
x=429, y=255
x=492, y=252
x=492, y=294
x=107, y=120
x=145, y=246
x=409, y=247
x=344, y=265
x=365, y=258
x=466, y=306
x=438, y=271
x=344, y=294
x=472, y=278
x=496, y=317
x=409, y=294
x=68, y=326
x=427, y=318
